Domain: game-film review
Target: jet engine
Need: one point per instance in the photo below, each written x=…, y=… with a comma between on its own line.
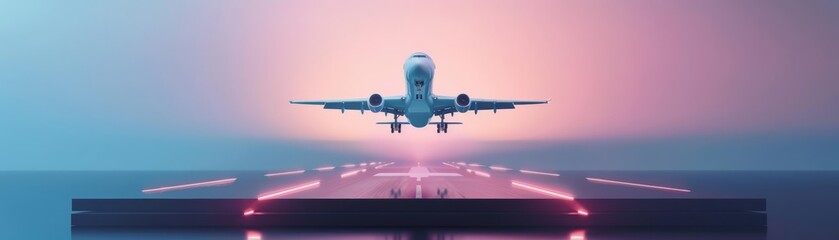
x=376, y=103
x=462, y=103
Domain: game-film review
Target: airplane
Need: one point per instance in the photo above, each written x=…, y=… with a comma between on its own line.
x=419, y=104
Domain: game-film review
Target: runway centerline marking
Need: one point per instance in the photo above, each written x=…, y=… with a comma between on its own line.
x=419, y=191
x=418, y=173
x=191, y=185
x=606, y=181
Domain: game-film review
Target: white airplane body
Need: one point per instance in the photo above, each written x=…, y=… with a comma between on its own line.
x=419, y=104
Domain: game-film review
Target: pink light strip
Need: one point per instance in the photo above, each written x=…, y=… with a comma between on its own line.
x=497, y=168
x=325, y=168
x=599, y=180
x=543, y=190
x=351, y=173
x=287, y=191
x=383, y=165
x=284, y=173
x=482, y=174
x=539, y=173
x=476, y=165
x=348, y=165
x=461, y=163
x=191, y=185
x=582, y=212
x=447, y=164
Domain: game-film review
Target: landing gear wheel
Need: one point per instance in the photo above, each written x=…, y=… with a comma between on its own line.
x=399, y=128
x=438, y=128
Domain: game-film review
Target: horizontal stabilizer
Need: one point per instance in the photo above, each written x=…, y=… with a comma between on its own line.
x=400, y=123
x=446, y=123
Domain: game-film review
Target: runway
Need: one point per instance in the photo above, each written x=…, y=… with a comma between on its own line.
x=796, y=201
x=444, y=180
x=432, y=180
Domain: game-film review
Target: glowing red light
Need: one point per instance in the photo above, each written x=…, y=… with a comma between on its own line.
x=191, y=185
x=253, y=235
x=284, y=173
x=599, y=180
x=542, y=190
x=539, y=173
x=248, y=212
x=289, y=190
x=577, y=235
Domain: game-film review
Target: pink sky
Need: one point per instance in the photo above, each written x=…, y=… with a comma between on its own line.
x=614, y=69
x=617, y=70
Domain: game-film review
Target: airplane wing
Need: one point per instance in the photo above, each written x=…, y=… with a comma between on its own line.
x=394, y=104
x=446, y=104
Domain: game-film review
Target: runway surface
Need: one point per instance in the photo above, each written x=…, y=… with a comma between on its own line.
x=36, y=205
x=433, y=180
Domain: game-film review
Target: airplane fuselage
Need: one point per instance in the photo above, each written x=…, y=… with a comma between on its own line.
x=419, y=104
x=419, y=76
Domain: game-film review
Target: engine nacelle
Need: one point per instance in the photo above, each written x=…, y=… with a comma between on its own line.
x=376, y=103
x=462, y=103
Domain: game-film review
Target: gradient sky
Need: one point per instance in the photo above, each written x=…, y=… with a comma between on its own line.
x=206, y=84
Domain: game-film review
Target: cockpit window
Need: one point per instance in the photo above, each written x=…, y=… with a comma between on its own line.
x=420, y=56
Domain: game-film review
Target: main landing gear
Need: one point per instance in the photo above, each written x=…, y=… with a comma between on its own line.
x=443, y=126
x=395, y=126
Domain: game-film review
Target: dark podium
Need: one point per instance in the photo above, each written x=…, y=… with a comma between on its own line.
x=418, y=213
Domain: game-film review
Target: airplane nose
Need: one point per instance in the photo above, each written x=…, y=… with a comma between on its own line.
x=418, y=70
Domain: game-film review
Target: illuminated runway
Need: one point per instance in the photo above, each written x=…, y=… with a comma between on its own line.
x=433, y=180
x=578, y=192
x=51, y=207
x=384, y=181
